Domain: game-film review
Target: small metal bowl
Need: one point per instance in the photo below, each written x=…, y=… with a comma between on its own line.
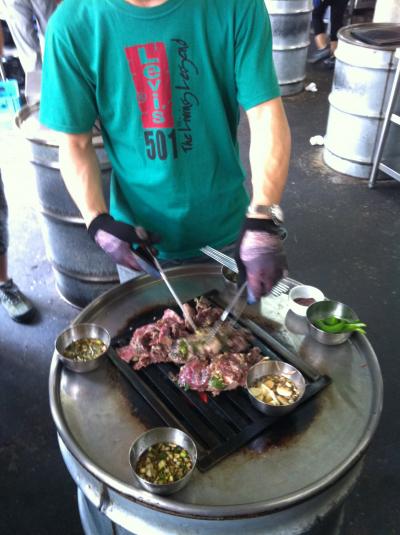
x=323, y=309
x=230, y=278
x=76, y=332
x=152, y=437
x=275, y=367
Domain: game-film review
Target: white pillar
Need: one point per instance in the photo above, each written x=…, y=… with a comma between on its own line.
x=387, y=11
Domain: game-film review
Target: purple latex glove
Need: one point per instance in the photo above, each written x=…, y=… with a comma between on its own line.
x=116, y=239
x=260, y=257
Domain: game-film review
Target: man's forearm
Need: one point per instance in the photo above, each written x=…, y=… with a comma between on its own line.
x=270, y=147
x=81, y=173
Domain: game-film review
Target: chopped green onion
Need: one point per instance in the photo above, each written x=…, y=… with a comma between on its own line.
x=163, y=463
x=85, y=349
x=217, y=382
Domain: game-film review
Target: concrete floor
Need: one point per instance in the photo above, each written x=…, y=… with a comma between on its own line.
x=343, y=238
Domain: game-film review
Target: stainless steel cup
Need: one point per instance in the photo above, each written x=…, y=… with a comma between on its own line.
x=275, y=367
x=76, y=332
x=324, y=309
x=152, y=437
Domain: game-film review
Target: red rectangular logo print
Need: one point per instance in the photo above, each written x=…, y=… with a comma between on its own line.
x=149, y=67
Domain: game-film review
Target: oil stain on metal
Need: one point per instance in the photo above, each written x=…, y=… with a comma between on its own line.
x=287, y=430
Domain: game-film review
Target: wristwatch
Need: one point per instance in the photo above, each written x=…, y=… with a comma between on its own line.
x=273, y=211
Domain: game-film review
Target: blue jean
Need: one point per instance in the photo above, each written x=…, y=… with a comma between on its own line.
x=338, y=8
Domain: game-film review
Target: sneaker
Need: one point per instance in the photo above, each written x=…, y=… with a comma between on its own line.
x=319, y=54
x=18, y=307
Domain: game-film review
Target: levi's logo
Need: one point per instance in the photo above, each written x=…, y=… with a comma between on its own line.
x=149, y=67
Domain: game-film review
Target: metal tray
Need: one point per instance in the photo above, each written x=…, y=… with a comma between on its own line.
x=98, y=415
x=219, y=425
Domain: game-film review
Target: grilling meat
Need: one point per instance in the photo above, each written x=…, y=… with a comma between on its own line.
x=224, y=371
x=212, y=366
x=152, y=343
x=195, y=374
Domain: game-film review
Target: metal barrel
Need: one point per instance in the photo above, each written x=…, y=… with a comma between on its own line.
x=360, y=91
x=81, y=269
x=290, y=21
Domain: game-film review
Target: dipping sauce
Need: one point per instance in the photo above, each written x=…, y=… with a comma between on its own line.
x=163, y=463
x=304, y=301
x=85, y=349
x=231, y=276
x=275, y=390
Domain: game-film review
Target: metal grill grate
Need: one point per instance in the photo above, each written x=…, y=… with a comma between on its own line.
x=219, y=426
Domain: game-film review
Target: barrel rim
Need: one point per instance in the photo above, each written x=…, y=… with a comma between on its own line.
x=68, y=219
x=26, y=111
x=339, y=163
x=82, y=277
x=344, y=34
x=273, y=7
x=105, y=166
x=336, y=102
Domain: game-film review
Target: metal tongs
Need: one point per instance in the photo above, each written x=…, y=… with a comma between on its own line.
x=230, y=308
x=150, y=264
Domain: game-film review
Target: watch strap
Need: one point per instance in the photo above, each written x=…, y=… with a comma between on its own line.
x=266, y=225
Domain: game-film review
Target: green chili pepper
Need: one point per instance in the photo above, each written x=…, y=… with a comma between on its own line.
x=183, y=348
x=330, y=327
x=332, y=320
x=351, y=327
x=217, y=382
x=335, y=325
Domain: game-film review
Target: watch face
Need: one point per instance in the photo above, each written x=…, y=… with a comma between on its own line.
x=277, y=212
x=273, y=211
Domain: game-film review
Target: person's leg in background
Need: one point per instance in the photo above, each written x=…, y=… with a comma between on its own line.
x=338, y=9
x=3, y=234
x=20, y=20
x=20, y=17
x=43, y=9
x=27, y=22
x=320, y=37
x=17, y=306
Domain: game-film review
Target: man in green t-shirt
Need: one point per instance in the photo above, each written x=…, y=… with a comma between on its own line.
x=166, y=78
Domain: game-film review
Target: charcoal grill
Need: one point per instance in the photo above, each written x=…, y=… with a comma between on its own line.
x=285, y=484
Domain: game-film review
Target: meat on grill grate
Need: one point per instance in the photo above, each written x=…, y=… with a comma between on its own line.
x=212, y=366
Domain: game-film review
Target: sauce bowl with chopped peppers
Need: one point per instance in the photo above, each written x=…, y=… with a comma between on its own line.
x=275, y=387
x=163, y=459
x=81, y=348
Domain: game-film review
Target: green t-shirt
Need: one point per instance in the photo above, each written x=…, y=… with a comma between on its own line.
x=166, y=83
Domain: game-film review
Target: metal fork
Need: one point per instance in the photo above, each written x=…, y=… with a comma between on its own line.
x=234, y=305
x=221, y=258
x=280, y=287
